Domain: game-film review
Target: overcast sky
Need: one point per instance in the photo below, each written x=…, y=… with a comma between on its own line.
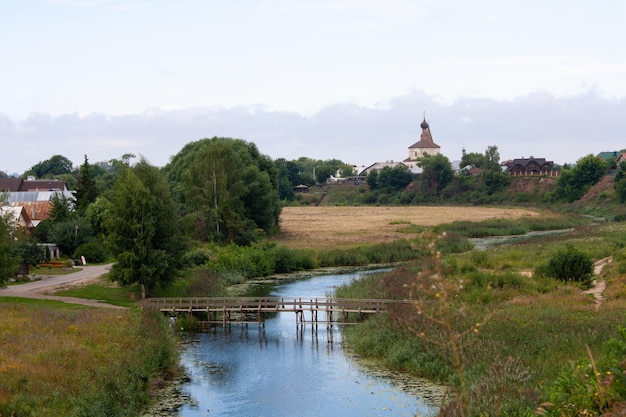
x=345, y=79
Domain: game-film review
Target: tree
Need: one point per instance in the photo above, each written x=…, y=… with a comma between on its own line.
x=96, y=215
x=575, y=182
x=496, y=181
x=396, y=178
x=55, y=166
x=105, y=173
x=62, y=209
x=288, y=178
x=70, y=234
x=472, y=159
x=27, y=253
x=436, y=173
x=143, y=231
x=372, y=179
x=86, y=191
x=492, y=159
x=227, y=189
x=8, y=263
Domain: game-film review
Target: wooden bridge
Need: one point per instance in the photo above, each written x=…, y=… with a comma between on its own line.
x=227, y=310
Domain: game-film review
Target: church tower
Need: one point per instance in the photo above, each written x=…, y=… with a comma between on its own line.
x=425, y=146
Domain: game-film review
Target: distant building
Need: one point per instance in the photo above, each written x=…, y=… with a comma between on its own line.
x=377, y=166
x=530, y=166
x=35, y=196
x=425, y=146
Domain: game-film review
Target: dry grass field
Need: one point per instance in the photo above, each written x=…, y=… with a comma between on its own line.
x=341, y=226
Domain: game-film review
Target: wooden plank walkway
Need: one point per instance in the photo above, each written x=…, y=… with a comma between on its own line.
x=226, y=310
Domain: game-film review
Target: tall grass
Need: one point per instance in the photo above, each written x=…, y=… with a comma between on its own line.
x=66, y=361
x=507, y=344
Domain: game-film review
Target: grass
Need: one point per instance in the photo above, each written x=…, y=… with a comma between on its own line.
x=73, y=361
x=512, y=361
x=520, y=339
x=106, y=291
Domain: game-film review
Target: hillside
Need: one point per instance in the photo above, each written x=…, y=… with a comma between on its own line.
x=533, y=186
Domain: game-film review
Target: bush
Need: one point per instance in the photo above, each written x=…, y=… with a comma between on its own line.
x=196, y=257
x=93, y=252
x=570, y=264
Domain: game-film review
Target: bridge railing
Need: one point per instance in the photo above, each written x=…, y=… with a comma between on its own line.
x=269, y=303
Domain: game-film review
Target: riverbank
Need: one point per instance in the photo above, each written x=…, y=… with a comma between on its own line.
x=521, y=337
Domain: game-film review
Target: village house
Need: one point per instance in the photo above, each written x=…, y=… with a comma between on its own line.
x=35, y=196
x=17, y=217
x=530, y=166
x=377, y=166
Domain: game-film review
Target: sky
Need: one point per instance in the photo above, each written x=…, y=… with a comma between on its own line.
x=324, y=79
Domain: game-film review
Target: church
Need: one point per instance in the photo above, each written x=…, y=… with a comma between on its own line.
x=425, y=146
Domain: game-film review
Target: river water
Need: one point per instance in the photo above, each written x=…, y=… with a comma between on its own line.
x=278, y=371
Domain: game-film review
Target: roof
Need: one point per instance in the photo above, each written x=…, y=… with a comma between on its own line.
x=523, y=163
x=36, y=210
x=18, y=215
x=19, y=184
x=10, y=184
x=381, y=165
x=426, y=139
x=608, y=155
x=24, y=196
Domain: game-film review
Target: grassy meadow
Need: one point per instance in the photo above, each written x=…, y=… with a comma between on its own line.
x=64, y=360
x=507, y=339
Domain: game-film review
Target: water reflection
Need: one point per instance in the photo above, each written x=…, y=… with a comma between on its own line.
x=274, y=370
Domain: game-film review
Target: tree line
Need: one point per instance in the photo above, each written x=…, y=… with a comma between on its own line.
x=226, y=191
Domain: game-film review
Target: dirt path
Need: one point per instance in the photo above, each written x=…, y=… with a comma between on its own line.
x=40, y=289
x=598, y=284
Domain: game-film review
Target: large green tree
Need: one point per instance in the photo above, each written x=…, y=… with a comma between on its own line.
x=495, y=179
x=142, y=228
x=436, y=173
x=473, y=159
x=575, y=182
x=392, y=179
x=55, y=166
x=86, y=191
x=227, y=190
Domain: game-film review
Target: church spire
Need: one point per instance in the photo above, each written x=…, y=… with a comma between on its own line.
x=424, y=124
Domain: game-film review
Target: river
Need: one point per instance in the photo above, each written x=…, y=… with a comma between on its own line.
x=278, y=371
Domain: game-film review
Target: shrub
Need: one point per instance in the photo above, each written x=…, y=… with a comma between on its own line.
x=570, y=264
x=196, y=257
x=453, y=243
x=93, y=252
x=619, y=218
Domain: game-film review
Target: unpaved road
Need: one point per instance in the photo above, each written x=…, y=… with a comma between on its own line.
x=38, y=289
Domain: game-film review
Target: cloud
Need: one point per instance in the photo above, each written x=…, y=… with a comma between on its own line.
x=562, y=129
